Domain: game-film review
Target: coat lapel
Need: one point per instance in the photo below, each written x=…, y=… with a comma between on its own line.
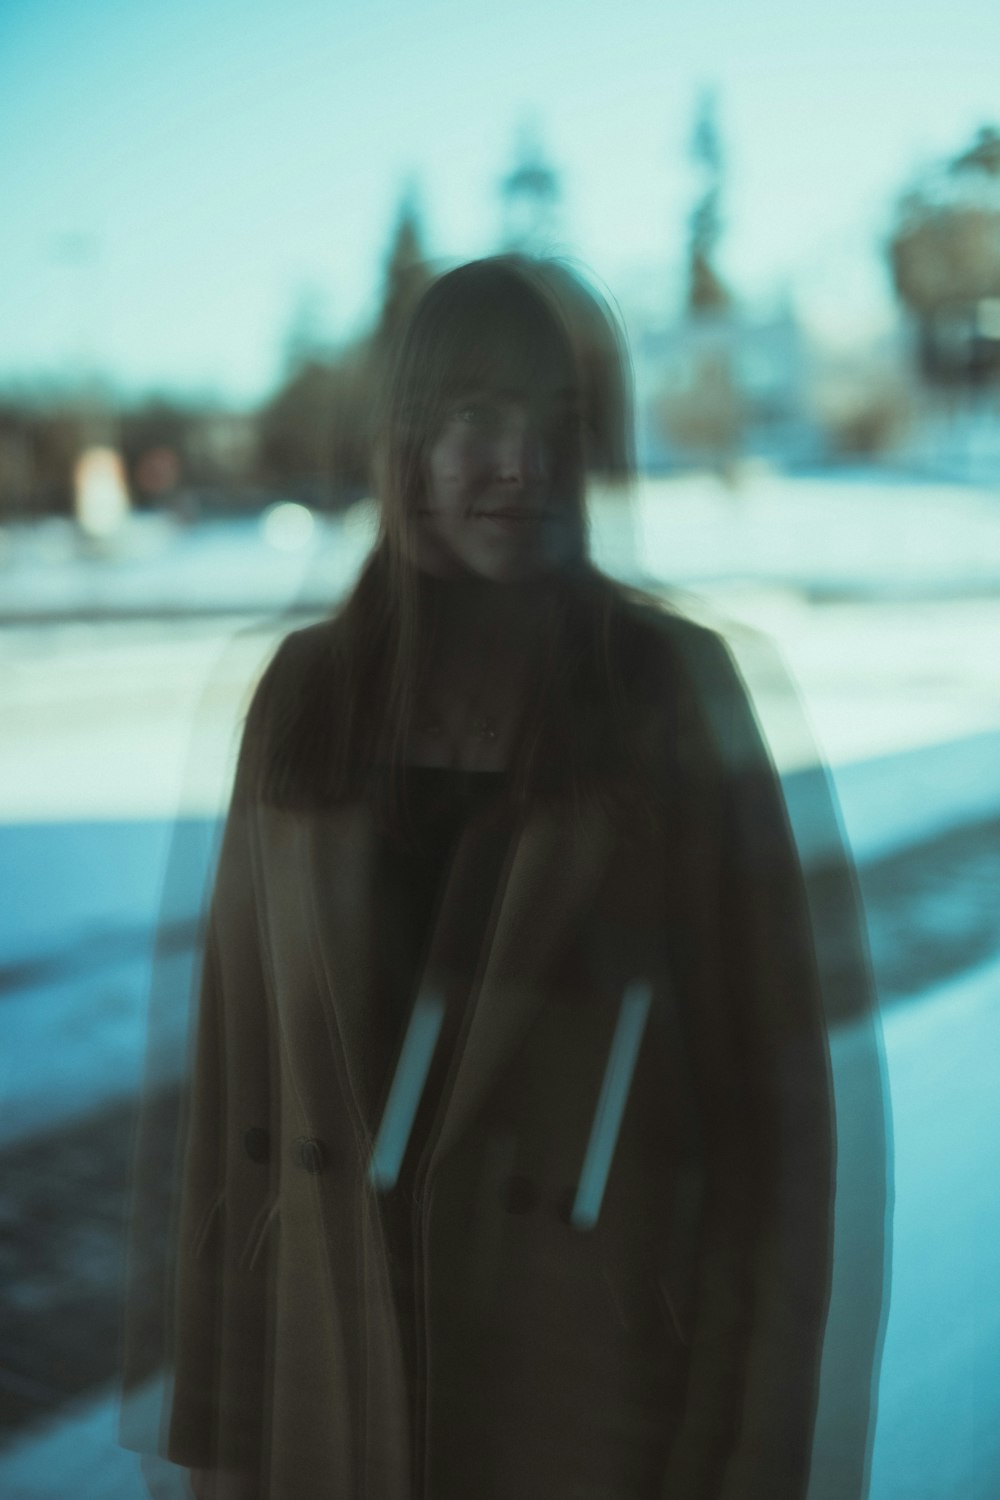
x=556, y=862
x=328, y=903
x=319, y=876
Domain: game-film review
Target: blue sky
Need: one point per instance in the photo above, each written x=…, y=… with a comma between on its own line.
x=174, y=174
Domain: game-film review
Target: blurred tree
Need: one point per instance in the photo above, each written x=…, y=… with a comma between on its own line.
x=316, y=432
x=187, y=454
x=702, y=411
x=983, y=155
x=706, y=292
x=944, y=257
x=157, y=426
x=40, y=442
x=18, y=493
x=307, y=338
x=407, y=273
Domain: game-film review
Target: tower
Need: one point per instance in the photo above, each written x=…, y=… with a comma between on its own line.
x=530, y=195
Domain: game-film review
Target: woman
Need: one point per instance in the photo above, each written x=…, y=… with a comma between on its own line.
x=509, y=1162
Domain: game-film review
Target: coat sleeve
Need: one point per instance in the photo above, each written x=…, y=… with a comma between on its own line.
x=766, y=1248
x=227, y=1195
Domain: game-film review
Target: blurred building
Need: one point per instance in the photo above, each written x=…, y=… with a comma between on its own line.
x=724, y=385
x=944, y=255
x=530, y=196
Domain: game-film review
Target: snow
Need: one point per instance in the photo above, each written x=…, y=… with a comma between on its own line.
x=937, y=1435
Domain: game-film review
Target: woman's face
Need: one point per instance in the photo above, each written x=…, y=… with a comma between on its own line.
x=499, y=484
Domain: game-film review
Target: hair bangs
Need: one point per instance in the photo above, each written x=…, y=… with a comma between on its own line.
x=489, y=329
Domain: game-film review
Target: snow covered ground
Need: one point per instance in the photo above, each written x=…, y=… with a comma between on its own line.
x=883, y=604
x=938, y=1431
x=847, y=533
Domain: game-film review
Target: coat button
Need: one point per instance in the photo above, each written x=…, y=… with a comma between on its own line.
x=310, y=1154
x=257, y=1143
x=519, y=1195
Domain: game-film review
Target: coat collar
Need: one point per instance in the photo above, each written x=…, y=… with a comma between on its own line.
x=554, y=861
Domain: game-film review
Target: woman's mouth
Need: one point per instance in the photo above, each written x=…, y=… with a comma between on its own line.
x=510, y=513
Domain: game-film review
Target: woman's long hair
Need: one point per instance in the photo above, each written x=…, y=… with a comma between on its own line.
x=511, y=323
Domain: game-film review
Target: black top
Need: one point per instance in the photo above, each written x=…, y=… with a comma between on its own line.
x=414, y=867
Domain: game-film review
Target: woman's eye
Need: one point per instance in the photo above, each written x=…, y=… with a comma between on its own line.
x=474, y=414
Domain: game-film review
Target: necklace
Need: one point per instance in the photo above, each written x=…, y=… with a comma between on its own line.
x=469, y=707
x=484, y=727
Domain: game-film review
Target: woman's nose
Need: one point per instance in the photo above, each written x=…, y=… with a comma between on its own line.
x=520, y=453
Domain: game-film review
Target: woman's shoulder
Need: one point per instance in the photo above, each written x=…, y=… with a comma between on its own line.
x=307, y=645
x=299, y=659
x=292, y=709
x=677, y=668
x=660, y=641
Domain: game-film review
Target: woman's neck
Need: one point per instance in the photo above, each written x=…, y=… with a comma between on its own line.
x=485, y=624
x=485, y=639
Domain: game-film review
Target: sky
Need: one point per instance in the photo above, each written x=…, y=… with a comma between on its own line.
x=176, y=176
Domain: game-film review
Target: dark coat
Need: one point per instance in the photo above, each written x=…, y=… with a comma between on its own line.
x=624, y=1223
